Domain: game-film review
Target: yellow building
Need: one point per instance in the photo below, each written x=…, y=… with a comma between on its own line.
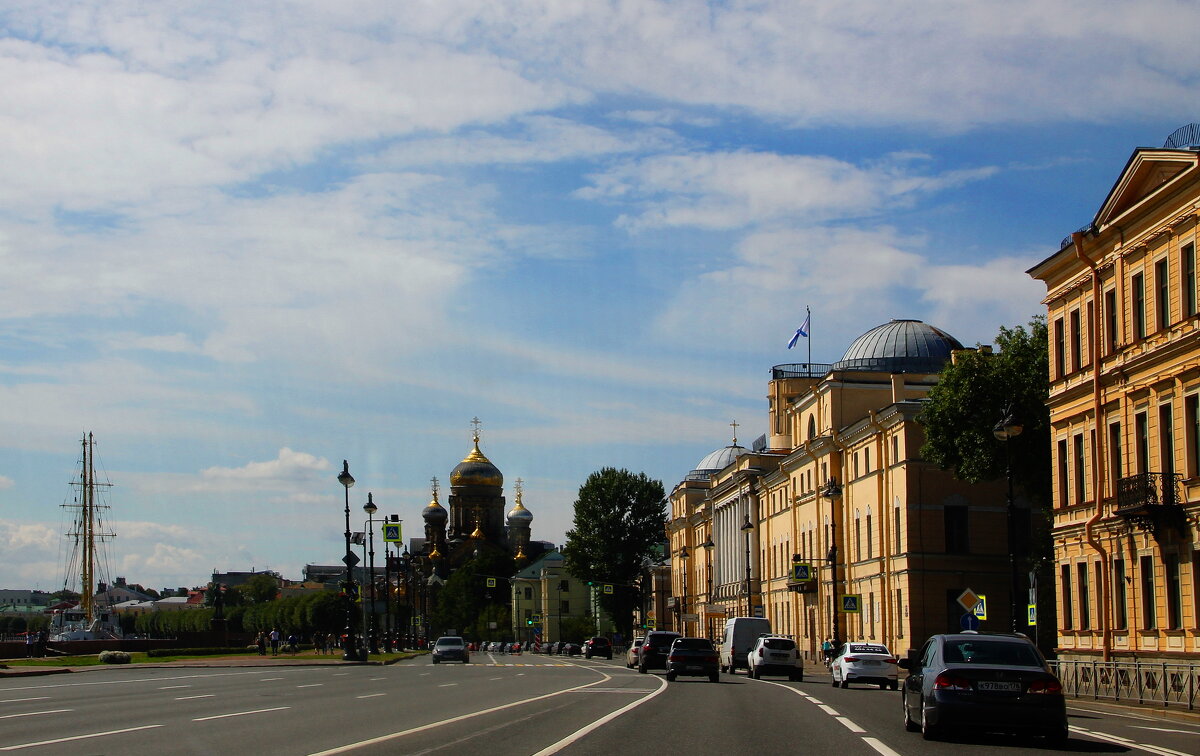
x=1124, y=327
x=899, y=537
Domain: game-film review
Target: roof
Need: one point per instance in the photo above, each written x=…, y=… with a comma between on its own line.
x=717, y=461
x=900, y=346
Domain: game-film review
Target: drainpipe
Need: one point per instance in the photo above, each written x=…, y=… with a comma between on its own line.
x=1098, y=466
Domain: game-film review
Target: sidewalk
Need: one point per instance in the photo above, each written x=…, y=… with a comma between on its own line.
x=252, y=660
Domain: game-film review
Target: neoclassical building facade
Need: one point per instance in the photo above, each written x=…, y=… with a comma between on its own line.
x=1124, y=326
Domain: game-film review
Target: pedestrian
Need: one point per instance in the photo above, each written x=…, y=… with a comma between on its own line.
x=29, y=636
x=827, y=650
x=274, y=636
x=293, y=644
x=260, y=640
x=329, y=639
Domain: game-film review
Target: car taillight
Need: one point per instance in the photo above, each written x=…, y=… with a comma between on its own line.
x=850, y=659
x=674, y=658
x=1053, y=687
x=760, y=653
x=710, y=659
x=950, y=681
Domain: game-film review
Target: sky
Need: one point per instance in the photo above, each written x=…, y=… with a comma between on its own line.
x=241, y=242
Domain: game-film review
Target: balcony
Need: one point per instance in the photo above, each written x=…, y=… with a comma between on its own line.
x=1150, y=500
x=800, y=370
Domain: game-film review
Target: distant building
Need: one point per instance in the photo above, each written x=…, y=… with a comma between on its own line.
x=10, y=597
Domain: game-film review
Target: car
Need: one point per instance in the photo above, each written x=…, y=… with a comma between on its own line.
x=653, y=653
x=571, y=649
x=859, y=662
x=984, y=682
x=739, y=635
x=597, y=646
x=450, y=648
x=775, y=655
x=631, y=655
x=695, y=657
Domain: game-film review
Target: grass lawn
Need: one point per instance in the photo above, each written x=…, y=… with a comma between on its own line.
x=139, y=657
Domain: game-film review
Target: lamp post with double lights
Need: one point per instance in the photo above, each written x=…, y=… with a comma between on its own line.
x=371, y=509
x=708, y=547
x=350, y=650
x=1009, y=427
x=833, y=492
x=683, y=558
x=747, y=528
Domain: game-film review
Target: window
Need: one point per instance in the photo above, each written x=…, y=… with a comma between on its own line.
x=1166, y=440
x=1076, y=342
x=1146, y=574
x=1120, y=612
x=955, y=522
x=895, y=449
x=1191, y=420
x=1060, y=357
x=1162, y=295
x=857, y=541
x=1142, y=442
x=528, y=593
x=1174, y=592
x=1138, y=285
x=1089, y=334
x=1114, y=455
x=899, y=615
x=812, y=427
x=1195, y=588
x=1080, y=485
x=896, y=530
x=564, y=607
x=1110, y=321
x=1062, y=473
x=564, y=585
x=866, y=460
x=868, y=535
x=1068, y=611
x=1187, y=279
x=855, y=464
x=1085, y=613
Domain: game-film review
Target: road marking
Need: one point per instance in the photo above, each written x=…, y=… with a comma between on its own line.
x=340, y=674
x=371, y=695
x=495, y=678
x=269, y=679
x=310, y=685
x=1163, y=729
x=879, y=746
x=850, y=724
x=575, y=736
x=447, y=685
x=35, y=713
x=76, y=737
x=40, y=698
x=240, y=714
x=373, y=679
x=1158, y=750
x=173, y=687
x=828, y=710
x=189, y=698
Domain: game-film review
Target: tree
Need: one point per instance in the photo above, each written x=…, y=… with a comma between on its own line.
x=260, y=588
x=619, y=519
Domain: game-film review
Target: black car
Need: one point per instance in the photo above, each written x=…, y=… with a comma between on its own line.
x=987, y=682
x=597, y=646
x=653, y=654
x=696, y=657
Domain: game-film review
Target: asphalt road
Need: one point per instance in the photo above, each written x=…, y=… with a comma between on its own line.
x=501, y=705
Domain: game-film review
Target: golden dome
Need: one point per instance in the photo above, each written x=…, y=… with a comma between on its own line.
x=476, y=470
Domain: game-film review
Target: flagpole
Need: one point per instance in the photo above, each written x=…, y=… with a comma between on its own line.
x=808, y=319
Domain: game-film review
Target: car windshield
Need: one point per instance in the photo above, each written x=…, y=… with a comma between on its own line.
x=693, y=644
x=779, y=644
x=991, y=652
x=867, y=648
x=660, y=641
x=449, y=641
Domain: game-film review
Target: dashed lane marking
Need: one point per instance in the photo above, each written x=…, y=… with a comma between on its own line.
x=22, y=700
x=372, y=695
x=35, y=713
x=878, y=745
x=850, y=725
x=240, y=713
x=188, y=698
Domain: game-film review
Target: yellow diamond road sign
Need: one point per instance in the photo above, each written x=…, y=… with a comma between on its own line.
x=968, y=599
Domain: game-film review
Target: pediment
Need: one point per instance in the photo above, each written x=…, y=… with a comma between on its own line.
x=1148, y=172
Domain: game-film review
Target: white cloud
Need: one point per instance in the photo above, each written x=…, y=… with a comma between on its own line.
x=5, y=482
x=288, y=466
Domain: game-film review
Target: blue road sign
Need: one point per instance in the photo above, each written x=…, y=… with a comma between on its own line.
x=969, y=621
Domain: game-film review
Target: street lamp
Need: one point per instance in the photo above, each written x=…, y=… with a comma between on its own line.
x=708, y=547
x=683, y=557
x=747, y=528
x=349, y=649
x=833, y=492
x=371, y=509
x=1009, y=427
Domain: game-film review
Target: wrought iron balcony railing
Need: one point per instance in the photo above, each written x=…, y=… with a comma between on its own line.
x=1148, y=498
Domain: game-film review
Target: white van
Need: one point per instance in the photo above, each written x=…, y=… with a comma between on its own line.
x=739, y=638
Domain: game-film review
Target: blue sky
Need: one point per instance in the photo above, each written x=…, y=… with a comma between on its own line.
x=242, y=242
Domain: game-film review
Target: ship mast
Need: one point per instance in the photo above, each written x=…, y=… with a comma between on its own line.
x=88, y=520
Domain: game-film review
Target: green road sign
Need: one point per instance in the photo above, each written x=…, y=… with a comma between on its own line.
x=801, y=571
x=391, y=533
x=851, y=603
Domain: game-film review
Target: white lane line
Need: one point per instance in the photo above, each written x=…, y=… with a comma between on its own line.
x=878, y=745
x=432, y=725
x=828, y=710
x=575, y=736
x=850, y=725
x=34, y=713
x=371, y=695
x=189, y=698
x=311, y=685
x=240, y=714
x=447, y=685
x=173, y=687
x=340, y=674
x=42, y=698
x=269, y=679
x=373, y=679
x=489, y=679
x=1157, y=750
x=43, y=686
x=1163, y=729
x=812, y=700
x=76, y=737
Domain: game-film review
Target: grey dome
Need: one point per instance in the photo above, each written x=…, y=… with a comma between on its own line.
x=901, y=346
x=717, y=461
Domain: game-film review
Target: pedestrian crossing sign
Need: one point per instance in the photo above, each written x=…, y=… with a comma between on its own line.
x=1031, y=609
x=851, y=603
x=391, y=533
x=801, y=571
x=491, y=582
x=608, y=589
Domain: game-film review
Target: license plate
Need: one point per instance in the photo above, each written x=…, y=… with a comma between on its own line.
x=870, y=663
x=694, y=667
x=1002, y=687
x=779, y=656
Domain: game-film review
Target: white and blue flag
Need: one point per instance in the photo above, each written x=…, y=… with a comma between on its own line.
x=801, y=331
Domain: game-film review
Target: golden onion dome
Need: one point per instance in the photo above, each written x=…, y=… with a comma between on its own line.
x=476, y=470
x=519, y=515
x=435, y=513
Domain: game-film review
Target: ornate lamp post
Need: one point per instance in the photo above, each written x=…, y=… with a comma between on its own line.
x=371, y=509
x=833, y=492
x=708, y=547
x=1009, y=427
x=747, y=528
x=683, y=557
x=350, y=650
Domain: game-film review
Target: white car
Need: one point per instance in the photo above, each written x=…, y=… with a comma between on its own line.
x=775, y=655
x=869, y=663
x=631, y=656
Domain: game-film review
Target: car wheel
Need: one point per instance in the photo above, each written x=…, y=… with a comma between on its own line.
x=435, y=661
x=641, y=669
x=884, y=686
x=928, y=730
x=670, y=677
x=1058, y=736
x=794, y=677
x=714, y=677
x=845, y=683
x=894, y=685
x=753, y=673
x=909, y=724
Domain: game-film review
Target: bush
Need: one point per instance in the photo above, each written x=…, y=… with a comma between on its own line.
x=114, y=657
x=199, y=651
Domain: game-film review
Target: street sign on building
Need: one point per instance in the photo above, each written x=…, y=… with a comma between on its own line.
x=759, y=611
x=801, y=571
x=851, y=603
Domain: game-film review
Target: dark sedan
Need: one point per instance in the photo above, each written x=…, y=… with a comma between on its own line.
x=598, y=646
x=694, y=657
x=983, y=682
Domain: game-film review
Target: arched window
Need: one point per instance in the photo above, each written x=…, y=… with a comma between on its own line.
x=812, y=427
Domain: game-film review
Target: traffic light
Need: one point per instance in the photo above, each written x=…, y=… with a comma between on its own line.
x=528, y=621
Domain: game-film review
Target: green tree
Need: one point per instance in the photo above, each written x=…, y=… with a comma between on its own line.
x=619, y=519
x=465, y=603
x=260, y=588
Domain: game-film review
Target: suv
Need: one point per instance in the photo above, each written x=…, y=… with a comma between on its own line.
x=653, y=654
x=450, y=648
x=597, y=646
x=775, y=655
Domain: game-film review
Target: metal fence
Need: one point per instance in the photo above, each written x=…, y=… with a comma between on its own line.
x=1146, y=683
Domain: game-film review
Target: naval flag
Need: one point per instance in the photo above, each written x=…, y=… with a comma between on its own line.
x=801, y=331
